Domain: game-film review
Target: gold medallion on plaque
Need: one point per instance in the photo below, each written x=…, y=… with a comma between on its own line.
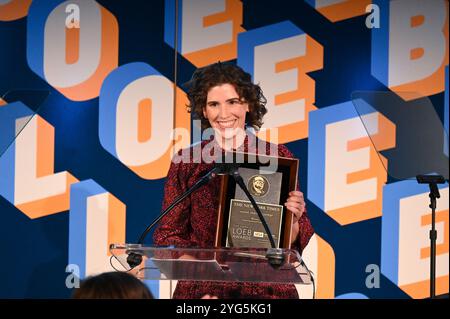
x=258, y=185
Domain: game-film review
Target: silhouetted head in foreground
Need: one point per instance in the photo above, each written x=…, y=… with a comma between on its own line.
x=112, y=285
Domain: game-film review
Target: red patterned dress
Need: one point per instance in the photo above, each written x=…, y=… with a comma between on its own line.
x=192, y=223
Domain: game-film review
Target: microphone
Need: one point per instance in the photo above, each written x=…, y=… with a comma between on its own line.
x=134, y=258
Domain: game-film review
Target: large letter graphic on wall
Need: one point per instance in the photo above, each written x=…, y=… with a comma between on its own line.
x=446, y=113
x=410, y=49
x=96, y=220
x=72, y=56
x=27, y=178
x=207, y=29
x=13, y=9
x=278, y=57
x=320, y=259
x=336, y=10
x=345, y=174
x=405, y=250
x=137, y=118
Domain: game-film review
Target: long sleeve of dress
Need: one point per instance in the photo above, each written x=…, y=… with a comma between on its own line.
x=174, y=228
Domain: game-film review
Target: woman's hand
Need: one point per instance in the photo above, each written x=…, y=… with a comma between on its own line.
x=209, y=297
x=295, y=204
x=187, y=257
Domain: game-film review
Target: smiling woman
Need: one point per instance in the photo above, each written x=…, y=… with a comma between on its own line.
x=223, y=97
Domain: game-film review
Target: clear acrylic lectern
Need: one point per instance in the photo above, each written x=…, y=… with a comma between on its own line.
x=216, y=264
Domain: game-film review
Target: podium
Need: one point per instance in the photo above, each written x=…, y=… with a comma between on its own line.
x=214, y=264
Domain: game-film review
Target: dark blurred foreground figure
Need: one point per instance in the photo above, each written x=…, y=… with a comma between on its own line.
x=112, y=285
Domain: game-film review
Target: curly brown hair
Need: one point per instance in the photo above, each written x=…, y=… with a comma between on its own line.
x=219, y=73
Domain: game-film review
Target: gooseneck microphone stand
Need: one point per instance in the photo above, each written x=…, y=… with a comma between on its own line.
x=274, y=255
x=134, y=259
x=432, y=181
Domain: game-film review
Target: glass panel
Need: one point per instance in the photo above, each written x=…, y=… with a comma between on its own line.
x=420, y=140
x=21, y=104
x=224, y=264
